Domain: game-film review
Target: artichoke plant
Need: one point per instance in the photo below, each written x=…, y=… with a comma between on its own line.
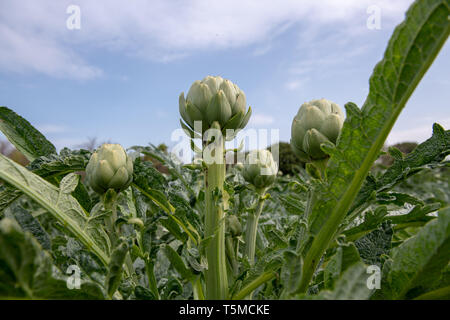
x=213, y=99
x=234, y=227
x=316, y=122
x=109, y=168
x=214, y=103
x=260, y=169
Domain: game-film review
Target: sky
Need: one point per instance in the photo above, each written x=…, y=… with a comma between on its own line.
x=118, y=76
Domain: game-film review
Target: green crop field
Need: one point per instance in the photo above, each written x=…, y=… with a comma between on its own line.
x=334, y=215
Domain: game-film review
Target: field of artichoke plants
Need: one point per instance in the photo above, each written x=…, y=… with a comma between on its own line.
x=108, y=225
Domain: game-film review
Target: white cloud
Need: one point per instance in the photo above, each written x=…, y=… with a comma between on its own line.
x=34, y=36
x=60, y=143
x=51, y=128
x=21, y=52
x=262, y=50
x=261, y=119
x=295, y=84
x=418, y=133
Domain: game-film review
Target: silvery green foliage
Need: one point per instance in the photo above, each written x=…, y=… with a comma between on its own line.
x=60, y=204
x=32, y=274
x=304, y=246
x=214, y=99
x=260, y=169
x=316, y=122
x=109, y=168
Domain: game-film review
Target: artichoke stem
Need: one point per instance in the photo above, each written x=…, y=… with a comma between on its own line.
x=216, y=275
x=321, y=166
x=252, y=228
x=110, y=204
x=197, y=289
x=303, y=234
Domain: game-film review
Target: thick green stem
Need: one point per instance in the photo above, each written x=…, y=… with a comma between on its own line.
x=301, y=242
x=321, y=166
x=252, y=228
x=110, y=204
x=197, y=289
x=216, y=275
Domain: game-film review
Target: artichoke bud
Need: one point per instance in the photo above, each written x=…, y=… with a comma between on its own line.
x=233, y=226
x=211, y=100
x=109, y=168
x=316, y=122
x=260, y=169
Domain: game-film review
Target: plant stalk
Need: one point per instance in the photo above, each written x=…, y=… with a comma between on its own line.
x=216, y=275
x=197, y=289
x=110, y=204
x=302, y=239
x=251, y=230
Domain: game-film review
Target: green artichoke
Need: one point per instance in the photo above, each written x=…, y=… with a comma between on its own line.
x=213, y=99
x=109, y=168
x=260, y=169
x=316, y=122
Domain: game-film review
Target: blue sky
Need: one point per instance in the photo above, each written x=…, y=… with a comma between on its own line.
x=118, y=78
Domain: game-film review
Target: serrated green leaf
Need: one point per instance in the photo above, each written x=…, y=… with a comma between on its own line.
x=291, y=271
x=27, y=139
x=417, y=263
x=26, y=270
x=173, y=228
x=142, y=293
x=51, y=166
x=8, y=195
x=345, y=256
x=28, y=223
x=410, y=52
x=351, y=286
x=61, y=206
x=177, y=262
x=69, y=183
x=376, y=243
x=431, y=151
x=66, y=162
x=115, y=268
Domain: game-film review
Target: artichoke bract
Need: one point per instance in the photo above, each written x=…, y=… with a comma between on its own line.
x=213, y=99
x=109, y=168
x=260, y=169
x=316, y=122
